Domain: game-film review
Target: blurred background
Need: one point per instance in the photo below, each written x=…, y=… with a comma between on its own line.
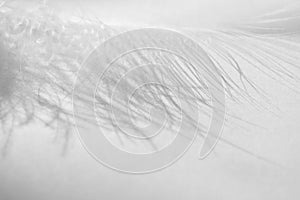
x=170, y=13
